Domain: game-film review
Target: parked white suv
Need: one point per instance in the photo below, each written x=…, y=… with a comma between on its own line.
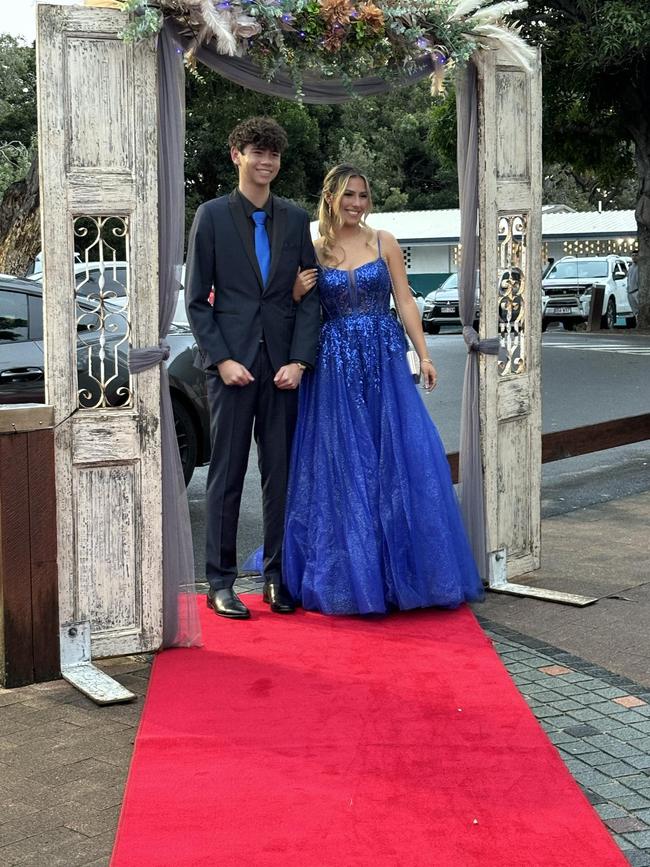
x=417, y=297
x=568, y=284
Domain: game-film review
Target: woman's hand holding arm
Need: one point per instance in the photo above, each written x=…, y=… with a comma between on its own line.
x=305, y=282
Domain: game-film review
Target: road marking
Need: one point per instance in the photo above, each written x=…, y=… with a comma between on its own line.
x=437, y=341
x=620, y=348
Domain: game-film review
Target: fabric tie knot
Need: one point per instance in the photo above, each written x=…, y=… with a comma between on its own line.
x=470, y=336
x=262, y=246
x=475, y=344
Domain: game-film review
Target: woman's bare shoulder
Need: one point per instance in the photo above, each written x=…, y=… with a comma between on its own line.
x=387, y=239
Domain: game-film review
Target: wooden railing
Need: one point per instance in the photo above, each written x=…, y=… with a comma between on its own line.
x=576, y=441
x=29, y=617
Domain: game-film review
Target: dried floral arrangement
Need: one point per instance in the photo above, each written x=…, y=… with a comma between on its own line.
x=338, y=38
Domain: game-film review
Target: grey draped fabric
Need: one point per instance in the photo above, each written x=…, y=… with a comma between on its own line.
x=181, y=625
x=470, y=467
x=316, y=90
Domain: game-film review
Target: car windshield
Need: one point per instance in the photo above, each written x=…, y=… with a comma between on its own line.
x=577, y=270
x=451, y=282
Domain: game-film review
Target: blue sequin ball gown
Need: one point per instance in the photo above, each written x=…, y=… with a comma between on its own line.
x=372, y=518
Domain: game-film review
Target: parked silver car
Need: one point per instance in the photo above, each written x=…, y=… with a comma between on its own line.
x=441, y=306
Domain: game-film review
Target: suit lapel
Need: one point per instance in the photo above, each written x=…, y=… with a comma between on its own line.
x=241, y=223
x=279, y=232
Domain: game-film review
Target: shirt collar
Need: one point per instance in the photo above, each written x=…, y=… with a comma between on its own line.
x=250, y=208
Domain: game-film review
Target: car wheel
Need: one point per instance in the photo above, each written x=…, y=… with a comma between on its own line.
x=186, y=439
x=434, y=328
x=609, y=319
x=544, y=324
x=569, y=326
x=630, y=321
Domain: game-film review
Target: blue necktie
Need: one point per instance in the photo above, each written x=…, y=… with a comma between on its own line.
x=262, y=246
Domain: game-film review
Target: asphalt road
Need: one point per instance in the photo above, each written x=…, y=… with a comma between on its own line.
x=586, y=378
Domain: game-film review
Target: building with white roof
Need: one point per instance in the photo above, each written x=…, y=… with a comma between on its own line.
x=429, y=239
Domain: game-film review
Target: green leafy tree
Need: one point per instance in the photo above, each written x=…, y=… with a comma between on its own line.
x=585, y=191
x=596, y=66
x=17, y=91
x=388, y=136
x=17, y=109
x=19, y=223
x=562, y=183
x=15, y=160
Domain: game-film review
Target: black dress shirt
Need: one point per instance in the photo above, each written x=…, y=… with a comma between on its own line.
x=249, y=209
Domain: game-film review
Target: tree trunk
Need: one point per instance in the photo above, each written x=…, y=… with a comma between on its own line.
x=642, y=214
x=20, y=225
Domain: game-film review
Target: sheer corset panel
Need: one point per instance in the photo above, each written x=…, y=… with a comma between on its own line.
x=362, y=291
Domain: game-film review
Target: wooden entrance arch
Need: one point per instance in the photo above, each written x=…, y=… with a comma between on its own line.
x=98, y=121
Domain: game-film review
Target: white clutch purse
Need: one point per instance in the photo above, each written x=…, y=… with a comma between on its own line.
x=412, y=358
x=413, y=361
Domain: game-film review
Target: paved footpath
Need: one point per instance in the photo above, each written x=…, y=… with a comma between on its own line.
x=585, y=673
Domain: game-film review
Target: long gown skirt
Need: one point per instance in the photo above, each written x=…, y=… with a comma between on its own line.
x=372, y=522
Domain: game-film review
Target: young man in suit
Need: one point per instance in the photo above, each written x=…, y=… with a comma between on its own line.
x=254, y=344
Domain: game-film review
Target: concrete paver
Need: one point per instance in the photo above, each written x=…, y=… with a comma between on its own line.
x=601, y=550
x=610, y=762
x=63, y=764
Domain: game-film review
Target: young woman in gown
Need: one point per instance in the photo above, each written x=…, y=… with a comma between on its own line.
x=372, y=520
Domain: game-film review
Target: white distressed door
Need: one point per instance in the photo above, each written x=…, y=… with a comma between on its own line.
x=97, y=107
x=510, y=180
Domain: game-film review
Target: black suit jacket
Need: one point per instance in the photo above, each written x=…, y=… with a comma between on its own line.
x=221, y=254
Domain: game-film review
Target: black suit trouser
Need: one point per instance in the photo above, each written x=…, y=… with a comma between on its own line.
x=237, y=412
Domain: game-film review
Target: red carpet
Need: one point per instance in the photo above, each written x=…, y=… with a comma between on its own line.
x=312, y=741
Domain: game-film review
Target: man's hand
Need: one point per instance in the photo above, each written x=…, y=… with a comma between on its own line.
x=288, y=376
x=234, y=373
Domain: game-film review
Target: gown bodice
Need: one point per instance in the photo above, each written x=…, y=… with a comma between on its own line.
x=364, y=290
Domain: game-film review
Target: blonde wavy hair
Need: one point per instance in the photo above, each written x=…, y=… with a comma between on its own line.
x=329, y=212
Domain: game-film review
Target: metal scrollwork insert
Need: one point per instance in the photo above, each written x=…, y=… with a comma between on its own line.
x=102, y=311
x=512, y=294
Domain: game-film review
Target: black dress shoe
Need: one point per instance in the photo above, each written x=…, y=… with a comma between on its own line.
x=278, y=598
x=226, y=603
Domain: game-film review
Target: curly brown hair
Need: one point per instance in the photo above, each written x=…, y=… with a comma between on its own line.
x=264, y=132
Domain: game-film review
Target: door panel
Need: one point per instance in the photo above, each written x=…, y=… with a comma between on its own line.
x=97, y=100
x=510, y=387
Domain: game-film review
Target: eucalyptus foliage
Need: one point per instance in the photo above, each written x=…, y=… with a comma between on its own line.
x=339, y=38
